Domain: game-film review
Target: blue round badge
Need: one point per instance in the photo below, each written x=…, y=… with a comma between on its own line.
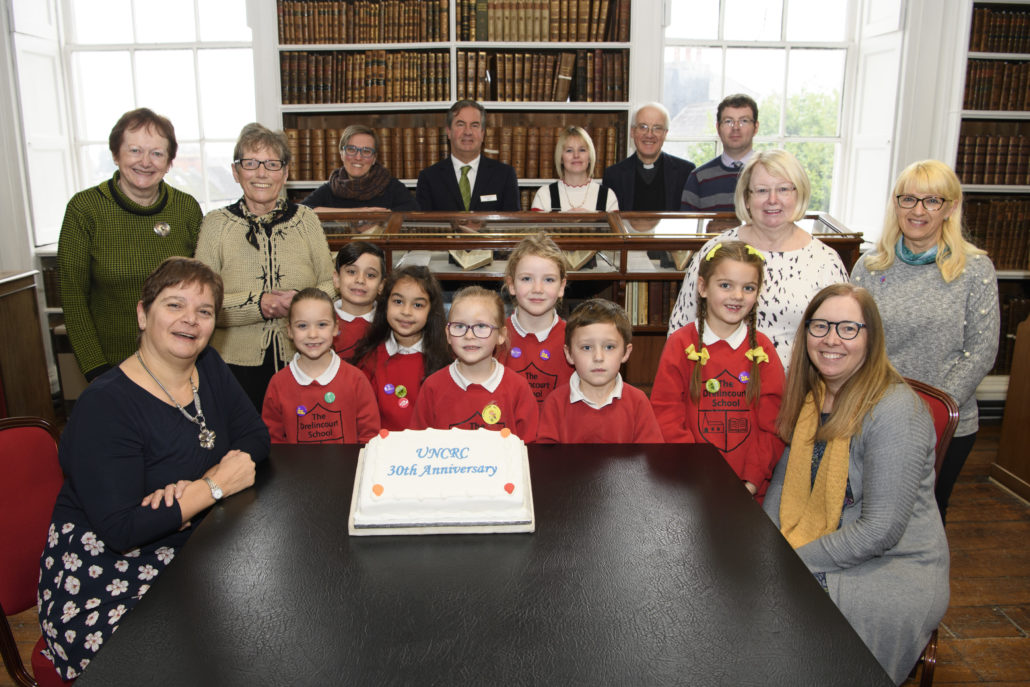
x=301, y=410
x=545, y=354
x=388, y=389
x=516, y=353
x=744, y=377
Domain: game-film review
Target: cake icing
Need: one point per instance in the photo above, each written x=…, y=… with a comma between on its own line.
x=417, y=478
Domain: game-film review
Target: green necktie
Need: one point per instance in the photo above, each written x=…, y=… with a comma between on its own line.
x=465, y=187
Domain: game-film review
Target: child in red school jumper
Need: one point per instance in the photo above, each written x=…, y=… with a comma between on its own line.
x=719, y=380
x=360, y=270
x=595, y=406
x=405, y=344
x=535, y=278
x=318, y=398
x=475, y=390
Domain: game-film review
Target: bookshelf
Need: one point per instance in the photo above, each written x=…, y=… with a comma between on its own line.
x=992, y=158
x=637, y=257
x=397, y=65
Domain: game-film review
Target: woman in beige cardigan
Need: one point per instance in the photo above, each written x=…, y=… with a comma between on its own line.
x=266, y=249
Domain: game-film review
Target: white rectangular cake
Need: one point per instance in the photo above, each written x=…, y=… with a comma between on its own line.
x=442, y=481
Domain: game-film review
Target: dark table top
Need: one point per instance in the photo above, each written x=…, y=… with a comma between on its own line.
x=649, y=565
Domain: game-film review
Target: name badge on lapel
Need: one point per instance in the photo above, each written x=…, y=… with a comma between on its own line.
x=492, y=198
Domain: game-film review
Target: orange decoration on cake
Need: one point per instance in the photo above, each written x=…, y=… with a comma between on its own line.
x=509, y=487
x=384, y=432
x=377, y=489
x=505, y=432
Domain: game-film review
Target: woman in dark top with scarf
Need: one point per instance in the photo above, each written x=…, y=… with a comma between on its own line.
x=362, y=183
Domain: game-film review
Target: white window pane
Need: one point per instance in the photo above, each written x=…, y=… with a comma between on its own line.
x=103, y=91
x=759, y=72
x=816, y=20
x=225, y=20
x=693, y=89
x=698, y=19
x=813, y=92
x=753, y=20
x=222, y=189
x=167, y=86
x=818, y=160
x=95, y=164
x=226, y=91
x=187, y=172
x=99, y=21
x=165, y=21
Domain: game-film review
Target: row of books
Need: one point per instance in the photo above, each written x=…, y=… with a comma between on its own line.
x=649, y=303
x=992, y=85
x=1002, y=228
x=378, y=76
x=1014, y=312
x=579, y=76
x=405, y=151
x=543, y=20
x=1000, y=30
x=993, y=159
x=310, y=22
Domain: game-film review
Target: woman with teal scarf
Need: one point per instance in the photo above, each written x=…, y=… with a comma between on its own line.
x=938, y=297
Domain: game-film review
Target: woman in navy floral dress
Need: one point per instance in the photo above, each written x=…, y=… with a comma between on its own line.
x=151, y=445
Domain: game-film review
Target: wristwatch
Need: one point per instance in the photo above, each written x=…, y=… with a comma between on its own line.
x=216, y=491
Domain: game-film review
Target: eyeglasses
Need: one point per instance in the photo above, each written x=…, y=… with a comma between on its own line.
x=354, y=151
x=931, y=203
x=251, y=164
x=846, y=329
x=736, y=123
x=656, y=129
x=480, y=330
x=762, y=193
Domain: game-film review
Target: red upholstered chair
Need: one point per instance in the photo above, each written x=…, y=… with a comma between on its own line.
x=31, y=479
x=945, y=419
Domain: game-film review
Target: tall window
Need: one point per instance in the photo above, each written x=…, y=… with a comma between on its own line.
x=189, y=60
x=789, y=55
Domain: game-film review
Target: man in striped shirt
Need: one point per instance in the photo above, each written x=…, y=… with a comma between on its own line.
x=710, y=187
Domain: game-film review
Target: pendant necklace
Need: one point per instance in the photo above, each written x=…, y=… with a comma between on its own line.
x=574, y=205
x=206, y=436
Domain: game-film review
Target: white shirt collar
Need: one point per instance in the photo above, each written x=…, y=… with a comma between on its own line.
x=323, y=379
x=734, y=340
x=458, y=164
x=575, y=394
x=347, y=317
x=728, y=161
x=393, y=348
x=491, y=383
x=540, y=336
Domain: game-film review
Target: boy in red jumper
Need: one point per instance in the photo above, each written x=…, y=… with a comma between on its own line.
x=595, y=406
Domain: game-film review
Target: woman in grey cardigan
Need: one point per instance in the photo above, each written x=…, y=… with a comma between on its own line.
x=853, y=493
x=939, y=298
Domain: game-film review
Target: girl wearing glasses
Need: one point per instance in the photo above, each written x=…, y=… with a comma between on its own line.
x=939, y=298
x=405, y=343
x=266, y=249
x=853, y=495
x=475, y=390
x=362, y=184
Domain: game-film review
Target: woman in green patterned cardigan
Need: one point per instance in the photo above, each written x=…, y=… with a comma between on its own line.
x=266, y=249
x=115, y=234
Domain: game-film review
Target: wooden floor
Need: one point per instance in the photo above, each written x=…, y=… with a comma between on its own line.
x=985, y=637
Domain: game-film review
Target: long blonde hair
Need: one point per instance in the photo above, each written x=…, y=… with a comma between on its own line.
x=859, y=393
x=927, y=177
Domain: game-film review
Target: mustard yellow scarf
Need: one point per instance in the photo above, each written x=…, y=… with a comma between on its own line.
x=809, y=511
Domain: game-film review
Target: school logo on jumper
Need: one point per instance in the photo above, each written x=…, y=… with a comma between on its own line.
x=540, y=383
x=475, y=421
x=723, y=417
x=319, y=425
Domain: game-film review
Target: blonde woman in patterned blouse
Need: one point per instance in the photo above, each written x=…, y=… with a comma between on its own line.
x=266, y=249
x=772, y=195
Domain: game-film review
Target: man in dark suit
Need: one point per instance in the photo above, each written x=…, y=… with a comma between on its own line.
x=466, y=180
x=649, y=179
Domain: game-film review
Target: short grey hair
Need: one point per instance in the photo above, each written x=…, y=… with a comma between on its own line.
x=658, y=106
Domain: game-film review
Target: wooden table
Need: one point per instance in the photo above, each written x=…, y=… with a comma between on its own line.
x=650, y=565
